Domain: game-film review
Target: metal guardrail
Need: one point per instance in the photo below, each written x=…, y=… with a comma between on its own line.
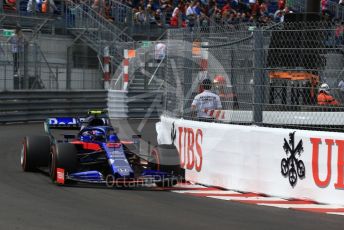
x=37, y=105
x=117, y=104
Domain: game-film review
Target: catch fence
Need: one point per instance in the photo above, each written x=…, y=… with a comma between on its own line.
x=264, y=75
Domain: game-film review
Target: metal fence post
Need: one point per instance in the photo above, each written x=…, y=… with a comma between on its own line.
x=69, y=67
x=26, y=69
x=258, y=76
x=36, y=65
x=187, y=74
x=18, y=7
x=163, y=19
x=130, y=22
x=33, y=7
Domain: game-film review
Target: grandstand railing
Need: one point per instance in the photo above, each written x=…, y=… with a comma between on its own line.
x=271, y=74
x=97, y=31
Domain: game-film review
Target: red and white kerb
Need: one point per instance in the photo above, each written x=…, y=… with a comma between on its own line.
x=126, y=69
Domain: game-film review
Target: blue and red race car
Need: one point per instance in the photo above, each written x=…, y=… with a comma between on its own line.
x=95, y=154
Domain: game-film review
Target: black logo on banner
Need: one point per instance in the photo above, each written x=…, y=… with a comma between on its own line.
x=291, y=166
x=173, y=133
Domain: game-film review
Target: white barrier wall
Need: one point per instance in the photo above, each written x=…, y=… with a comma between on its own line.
x=255, y=159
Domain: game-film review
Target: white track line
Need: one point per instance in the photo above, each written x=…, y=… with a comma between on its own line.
x=302, y=206
x=220, y=192
x=254, y=198
x=191, y=186
x=336, y=213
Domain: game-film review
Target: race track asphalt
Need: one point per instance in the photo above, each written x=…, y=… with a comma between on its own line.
x=31, y=201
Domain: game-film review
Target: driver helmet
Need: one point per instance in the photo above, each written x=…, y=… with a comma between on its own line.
x=97, y=133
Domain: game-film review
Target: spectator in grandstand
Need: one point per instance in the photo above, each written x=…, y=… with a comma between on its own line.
x=205, y=102
x=177, y=13
x=42, y=6
x=10, y=5
x=17, y=48
x=166, y=5
x=279, y=15
x=99, y=6
x=324, y=7
x=29, y=7
x=215, y=12
x=281, y=4
x=324, y=96
x=158, y=17
x=140, y=16
x=151, y=15
x=48, y=6
x=253, y=7
x=191, y=14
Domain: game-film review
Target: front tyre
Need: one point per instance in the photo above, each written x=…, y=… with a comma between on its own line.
x=165, y=158
x=63, y=155
x=35, y=152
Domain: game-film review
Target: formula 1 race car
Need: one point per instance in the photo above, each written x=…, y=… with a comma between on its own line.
x=95, y=154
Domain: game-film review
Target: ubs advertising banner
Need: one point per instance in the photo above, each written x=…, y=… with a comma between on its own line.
x=278, y=162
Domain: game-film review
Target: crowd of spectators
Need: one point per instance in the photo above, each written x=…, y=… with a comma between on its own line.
x=179, y=13
x=204, y=12
x=174, y=12
x=29, y=6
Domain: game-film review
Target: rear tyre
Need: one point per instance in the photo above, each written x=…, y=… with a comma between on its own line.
x=35, y=152
x=165, y=158
x=63, y=155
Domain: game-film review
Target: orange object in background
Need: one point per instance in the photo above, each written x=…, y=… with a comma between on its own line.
x=326, y=99
x=44, y=7
x=296, y=76
x=131, y=53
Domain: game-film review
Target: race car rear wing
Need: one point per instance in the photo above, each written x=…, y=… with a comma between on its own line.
x=63, y=123
x=73, y=123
